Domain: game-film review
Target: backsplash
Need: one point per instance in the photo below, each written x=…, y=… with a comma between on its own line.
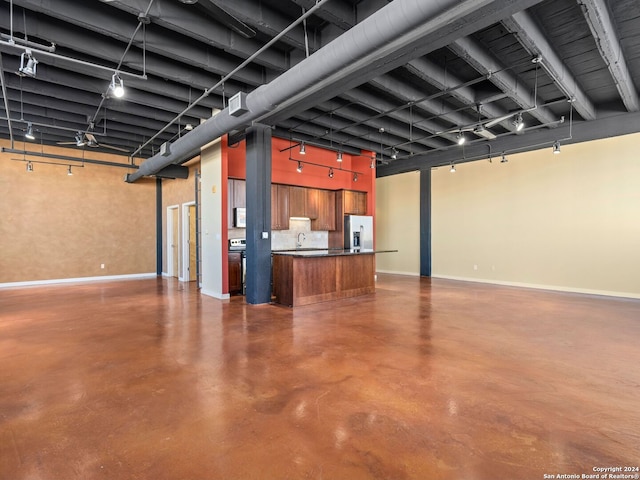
x=287, y=239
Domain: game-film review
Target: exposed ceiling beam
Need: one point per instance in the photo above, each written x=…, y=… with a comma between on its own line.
x=605, y=126
x=189, y=21
x=87, y=15
x=599, y=20
x=430, y=72
x=535, y=42
x=486, y=64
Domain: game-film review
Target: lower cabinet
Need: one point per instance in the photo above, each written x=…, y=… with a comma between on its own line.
x=235, y=273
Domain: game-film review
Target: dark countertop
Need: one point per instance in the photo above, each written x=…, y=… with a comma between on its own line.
x=328, y=252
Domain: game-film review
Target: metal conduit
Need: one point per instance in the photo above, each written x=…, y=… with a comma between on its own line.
x=389, y=29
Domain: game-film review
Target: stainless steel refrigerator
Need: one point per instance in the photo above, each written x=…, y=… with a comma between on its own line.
x=358, y=232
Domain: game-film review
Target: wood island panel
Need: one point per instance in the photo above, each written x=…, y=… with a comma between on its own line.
x=302, y=280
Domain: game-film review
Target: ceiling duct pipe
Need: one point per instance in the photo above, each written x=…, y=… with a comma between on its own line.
x=391, y=28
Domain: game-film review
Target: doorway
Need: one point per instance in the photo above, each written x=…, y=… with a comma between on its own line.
x=173, y=240
x=189, y=242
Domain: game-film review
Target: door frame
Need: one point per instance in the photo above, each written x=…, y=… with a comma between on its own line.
x=169, y=234
x=184, y=271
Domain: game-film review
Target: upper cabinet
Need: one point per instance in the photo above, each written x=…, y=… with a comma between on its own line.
x=326, y=211
x=280, y=207
x=236, y=197
x=355, y=203
x=297, y=201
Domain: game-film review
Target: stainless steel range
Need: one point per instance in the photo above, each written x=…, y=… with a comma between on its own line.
x=240, y=245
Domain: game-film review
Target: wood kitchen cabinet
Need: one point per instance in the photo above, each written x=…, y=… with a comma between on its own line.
x=355, y=203
x=235, y=273
x=279, y=207
x=303, y=202
x=236, y=197
x=297, y=201
x=325, y=204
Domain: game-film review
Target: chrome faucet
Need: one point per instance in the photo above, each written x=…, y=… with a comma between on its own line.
x=299, y=242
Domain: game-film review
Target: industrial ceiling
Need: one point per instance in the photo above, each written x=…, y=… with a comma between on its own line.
x=411, y=78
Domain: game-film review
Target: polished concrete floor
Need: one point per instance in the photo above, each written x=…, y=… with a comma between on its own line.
x=425, y=379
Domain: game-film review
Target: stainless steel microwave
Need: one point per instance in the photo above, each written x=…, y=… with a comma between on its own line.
x=240, y=217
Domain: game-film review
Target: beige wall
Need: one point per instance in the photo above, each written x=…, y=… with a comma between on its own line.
x=398, y=223
x=54, y=226
x=565, y=222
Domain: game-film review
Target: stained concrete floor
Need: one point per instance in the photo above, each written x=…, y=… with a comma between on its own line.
x=425, y=379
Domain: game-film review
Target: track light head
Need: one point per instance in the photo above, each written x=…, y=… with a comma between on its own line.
x=452, y=169
x=29, y=167
x=303, y=149
x=355, y=177
x=373, y=162
x=518, y=122
x=28, y=65
x=29, y=133
x=116, y=88
x=460, y=138
x=79, y=139
x=331, y=173
x=394, y=154
x=504, y=159
x=69, y=172
x=339, y=157
x=299, y=169
x=556, y=148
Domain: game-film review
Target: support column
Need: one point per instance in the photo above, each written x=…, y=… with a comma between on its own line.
x=159, y=226
x=258, y=274
x=425, y=223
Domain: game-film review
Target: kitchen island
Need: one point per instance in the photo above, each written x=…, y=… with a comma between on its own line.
x=302, y=277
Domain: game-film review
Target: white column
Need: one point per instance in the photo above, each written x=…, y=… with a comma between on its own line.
x=211, y=220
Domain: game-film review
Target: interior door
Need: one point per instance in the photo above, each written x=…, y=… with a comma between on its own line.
x=192, y=243
x=174, y=241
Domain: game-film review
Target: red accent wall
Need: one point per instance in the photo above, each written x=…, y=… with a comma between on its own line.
x=284, y=164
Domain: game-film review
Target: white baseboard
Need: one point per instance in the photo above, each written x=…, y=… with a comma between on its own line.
x=219, y=296
x=393, y=272
x=55, y=281
x=554, y=288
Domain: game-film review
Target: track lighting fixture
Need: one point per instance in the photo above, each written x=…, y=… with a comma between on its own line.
x=452, y=169
x=394, y=154
x=299, y=169
x=79, y=139
x=373, y=162
x=355, y=177
x=28, y=65
x=504, y=159
x=331, y=173
x=188, y=127
x=556, y=148
x=339, y=157
x=518, y=122
x=303, y=149
x=460, y=138
x=29, y=133
x=29, y=167
x=116, y=88
x=69, y=172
